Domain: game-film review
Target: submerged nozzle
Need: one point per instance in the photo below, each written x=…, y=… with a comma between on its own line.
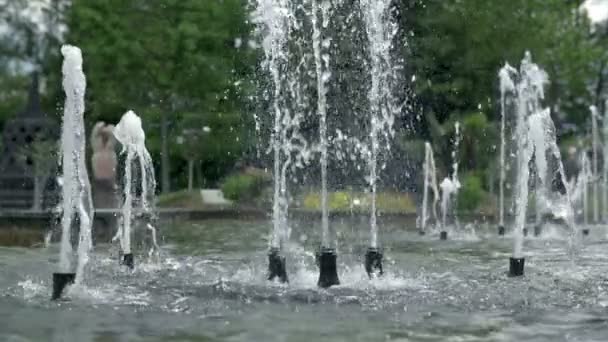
x=585, y=231
x=443, y=235
x=60, y=281
x=276, y=265
x=516, y=267
x=373, y=262
x=328, y=273
x=501, y=230
x=128, y=260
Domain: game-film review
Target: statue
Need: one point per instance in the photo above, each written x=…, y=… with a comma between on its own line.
x=104, y=166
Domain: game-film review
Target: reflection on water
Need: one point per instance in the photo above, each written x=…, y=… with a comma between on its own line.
x=210, y=286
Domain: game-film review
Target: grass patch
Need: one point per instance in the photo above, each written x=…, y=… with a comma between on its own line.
x=343, y=201
x=21, y=237
x=181, y=199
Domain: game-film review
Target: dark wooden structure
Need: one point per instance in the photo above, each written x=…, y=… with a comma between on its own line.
x=17, y=174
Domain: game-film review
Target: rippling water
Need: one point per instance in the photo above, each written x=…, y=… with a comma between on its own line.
x=210, y=286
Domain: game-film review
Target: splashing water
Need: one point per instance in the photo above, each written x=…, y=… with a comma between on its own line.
x=430, y=182
x=76, y=191
x=130, y=134
x=381, y=30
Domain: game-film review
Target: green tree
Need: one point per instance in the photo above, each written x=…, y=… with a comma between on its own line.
x=162, y=58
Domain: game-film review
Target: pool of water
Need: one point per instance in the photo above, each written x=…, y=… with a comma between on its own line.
x=210, y=286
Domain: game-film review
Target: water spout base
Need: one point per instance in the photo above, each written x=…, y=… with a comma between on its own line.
x=585, y=231
x=525, y=232
x=276, y=266
x=421, y=232
x=516, y=267
x=501, y=230
x=328, y=273
x=128, y=260
x=60, y=281
x=443, y=235
x=373, y=262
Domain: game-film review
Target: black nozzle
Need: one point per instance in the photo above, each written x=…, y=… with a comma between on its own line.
x=525, y=231
x=501, y=230
x=328, y=273
x=276, y=265
x=516, y=267
x=421, y=232
x=373, y=262
x=443, y=235
x=128, y=260
x=60, y=281
x=585, y=231
x=537, y=230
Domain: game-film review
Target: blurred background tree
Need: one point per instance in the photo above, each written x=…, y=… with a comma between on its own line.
x=187, y=64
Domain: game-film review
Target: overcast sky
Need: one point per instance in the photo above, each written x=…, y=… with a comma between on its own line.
x=597, y=10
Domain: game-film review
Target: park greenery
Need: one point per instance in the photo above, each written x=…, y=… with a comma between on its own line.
x=188, y=68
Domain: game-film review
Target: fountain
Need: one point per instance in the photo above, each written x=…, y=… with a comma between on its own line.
x=77, y=204
x=381, y=30
x=506, y=85
x=327, y=255
x=130, y=134
x=581, y=191
x=273, y=23
x=605, y=161
x=595, y=143
x=277, y=23
x=535, y=140
x=449, y=188
x=430, y=182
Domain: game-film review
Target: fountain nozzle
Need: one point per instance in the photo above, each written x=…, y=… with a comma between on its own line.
x=537, y=230
x=516, y=267
x=443, y=235
x=373, y=262
x=128, y=260
x=60, y=281
x=585, y=231
x=328, y=273
x=276, y=265
x=501, y=230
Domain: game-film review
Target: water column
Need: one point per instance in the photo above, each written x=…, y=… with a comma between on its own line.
x=327, y=257
x=528, y=91
x=381, y=30
x=594, y=164
x=77, y=203
x=605, y=161
x=271, y=18
x=129, y=132
x=506, y=88
x=430, y=182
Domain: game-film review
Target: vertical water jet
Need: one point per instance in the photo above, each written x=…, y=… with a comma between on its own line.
x=76, y=200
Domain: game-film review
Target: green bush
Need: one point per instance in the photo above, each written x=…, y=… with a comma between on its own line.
x=244, y=186
x=471, y=193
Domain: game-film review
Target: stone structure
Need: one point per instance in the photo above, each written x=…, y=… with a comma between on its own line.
x=17, y=173
x=104, y=163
